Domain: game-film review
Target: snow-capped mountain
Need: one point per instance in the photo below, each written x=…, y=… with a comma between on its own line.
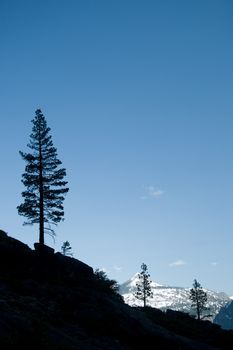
x=175, y=298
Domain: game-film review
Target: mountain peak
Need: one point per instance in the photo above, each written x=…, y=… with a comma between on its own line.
x=131, y=283
x=170, y=297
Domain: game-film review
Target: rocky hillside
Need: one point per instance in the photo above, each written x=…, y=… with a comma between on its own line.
x=48, y=301
x=225, y=316
x=174, y=298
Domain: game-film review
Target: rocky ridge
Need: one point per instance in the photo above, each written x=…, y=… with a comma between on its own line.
x=49, y=301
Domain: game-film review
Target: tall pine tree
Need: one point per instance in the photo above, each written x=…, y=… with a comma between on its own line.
x=198, y=298
x=43, y=179
x=143, y=286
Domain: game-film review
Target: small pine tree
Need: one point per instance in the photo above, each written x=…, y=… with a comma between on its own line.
x=66, y=249
x=198, y=298
x=43, y=179
x=143, y=286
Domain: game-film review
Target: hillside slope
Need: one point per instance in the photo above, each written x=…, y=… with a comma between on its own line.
x=48, y=301
x=225, y=316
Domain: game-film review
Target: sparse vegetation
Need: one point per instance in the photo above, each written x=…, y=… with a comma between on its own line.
x=66, y=249
x=107, y=284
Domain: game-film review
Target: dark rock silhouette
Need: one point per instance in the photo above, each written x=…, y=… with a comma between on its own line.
x=50, y=301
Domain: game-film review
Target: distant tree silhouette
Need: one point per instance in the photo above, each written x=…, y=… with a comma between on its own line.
x=66, y=249
x=43, y=179
x=143, y=286
x=198, y=298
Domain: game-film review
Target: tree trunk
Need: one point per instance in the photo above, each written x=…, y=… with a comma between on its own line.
x=41, y=189
x=144, y=291
x=198, y=311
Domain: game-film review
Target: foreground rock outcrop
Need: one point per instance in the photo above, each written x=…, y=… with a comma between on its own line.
x=48, y=301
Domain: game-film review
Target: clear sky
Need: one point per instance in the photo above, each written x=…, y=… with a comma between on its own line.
x=138, y=95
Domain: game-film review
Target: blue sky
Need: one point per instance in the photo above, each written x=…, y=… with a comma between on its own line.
x=138, y=95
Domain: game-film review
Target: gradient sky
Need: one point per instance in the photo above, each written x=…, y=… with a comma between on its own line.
x=138, y=95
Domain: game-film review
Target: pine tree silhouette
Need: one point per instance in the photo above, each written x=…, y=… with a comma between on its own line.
x=66, y=249
x=198, y=298
x=43, y=179
x=143, y=286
